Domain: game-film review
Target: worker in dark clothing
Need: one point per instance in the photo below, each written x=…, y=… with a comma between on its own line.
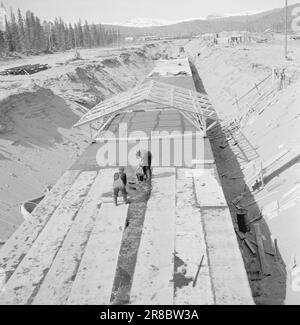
x=145, y=161
x=120, y=182
x=282, y=80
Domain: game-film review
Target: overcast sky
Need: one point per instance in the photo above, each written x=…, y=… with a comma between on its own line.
x=123, y=10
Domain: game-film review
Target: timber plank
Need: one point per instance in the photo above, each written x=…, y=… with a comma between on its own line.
x=26, y=280
x=265, y=267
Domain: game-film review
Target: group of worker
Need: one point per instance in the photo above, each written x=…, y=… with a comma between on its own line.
x=143, y=173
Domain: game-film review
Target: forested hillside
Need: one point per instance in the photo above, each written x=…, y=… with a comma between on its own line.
x=26, y=33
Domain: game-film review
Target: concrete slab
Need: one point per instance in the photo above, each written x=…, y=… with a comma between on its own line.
x=23, y=284
x=193, y=287
x=171, y=68
x=94, y=280
x=18, y=245
x=57, y=285
x=209, y=190
x=153, y=277
x=229, y=277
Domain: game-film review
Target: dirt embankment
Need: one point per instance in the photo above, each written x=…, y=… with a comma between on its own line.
x=268, y=132
x=37, y=142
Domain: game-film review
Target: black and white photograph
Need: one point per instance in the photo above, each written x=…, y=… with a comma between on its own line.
x=149, y=155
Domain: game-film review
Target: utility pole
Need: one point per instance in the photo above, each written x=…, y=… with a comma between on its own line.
x=49, y=40
x=77, y=54
x=247, y=31
x=286, y=29
x=119, y=38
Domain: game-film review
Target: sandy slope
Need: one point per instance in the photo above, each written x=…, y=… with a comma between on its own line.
x=227, y=74
x=37, y=142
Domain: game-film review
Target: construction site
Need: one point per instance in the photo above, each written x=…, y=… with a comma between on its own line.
x=217, y=224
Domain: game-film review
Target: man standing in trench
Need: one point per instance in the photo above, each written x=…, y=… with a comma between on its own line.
x=119, y=185
x=145, y=161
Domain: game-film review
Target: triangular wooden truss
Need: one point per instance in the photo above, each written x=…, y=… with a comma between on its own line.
x=152, y=94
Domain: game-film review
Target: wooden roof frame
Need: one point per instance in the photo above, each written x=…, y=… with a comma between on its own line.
x=194, y=106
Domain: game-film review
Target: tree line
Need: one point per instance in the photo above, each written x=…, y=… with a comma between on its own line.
x=27, y=33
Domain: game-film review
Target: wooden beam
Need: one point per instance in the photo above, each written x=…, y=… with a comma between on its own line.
x=84, y=121
x=250, y=246
x=91, y=133
x=154, y=92
x=193, y=121
x=265, y=268
x=205, y=127
x=105, y=125
x=212, y=126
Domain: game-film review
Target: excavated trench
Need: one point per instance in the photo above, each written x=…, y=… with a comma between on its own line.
x=24, y=146
x=267, y=289
x=38, y=143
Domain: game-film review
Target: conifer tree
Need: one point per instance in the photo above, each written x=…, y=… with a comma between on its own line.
x=71, y=37
x=80, y=42
x=87, y=42
x=8, y=36
x=27, y=33
x=15, y=39
x=2, y=42
x=21, y=30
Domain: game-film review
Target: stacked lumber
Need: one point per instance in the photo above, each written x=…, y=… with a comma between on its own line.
x=25, y=69
x=260, y=247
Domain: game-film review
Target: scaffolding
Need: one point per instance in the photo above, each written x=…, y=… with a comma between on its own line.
x=154, y=95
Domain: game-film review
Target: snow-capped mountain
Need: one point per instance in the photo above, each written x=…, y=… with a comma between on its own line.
x=149, y=22
x=244, y=13
x=239, y=14
x=143, y=22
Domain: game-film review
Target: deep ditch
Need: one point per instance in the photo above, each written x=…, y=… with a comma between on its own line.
x=266, y=290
